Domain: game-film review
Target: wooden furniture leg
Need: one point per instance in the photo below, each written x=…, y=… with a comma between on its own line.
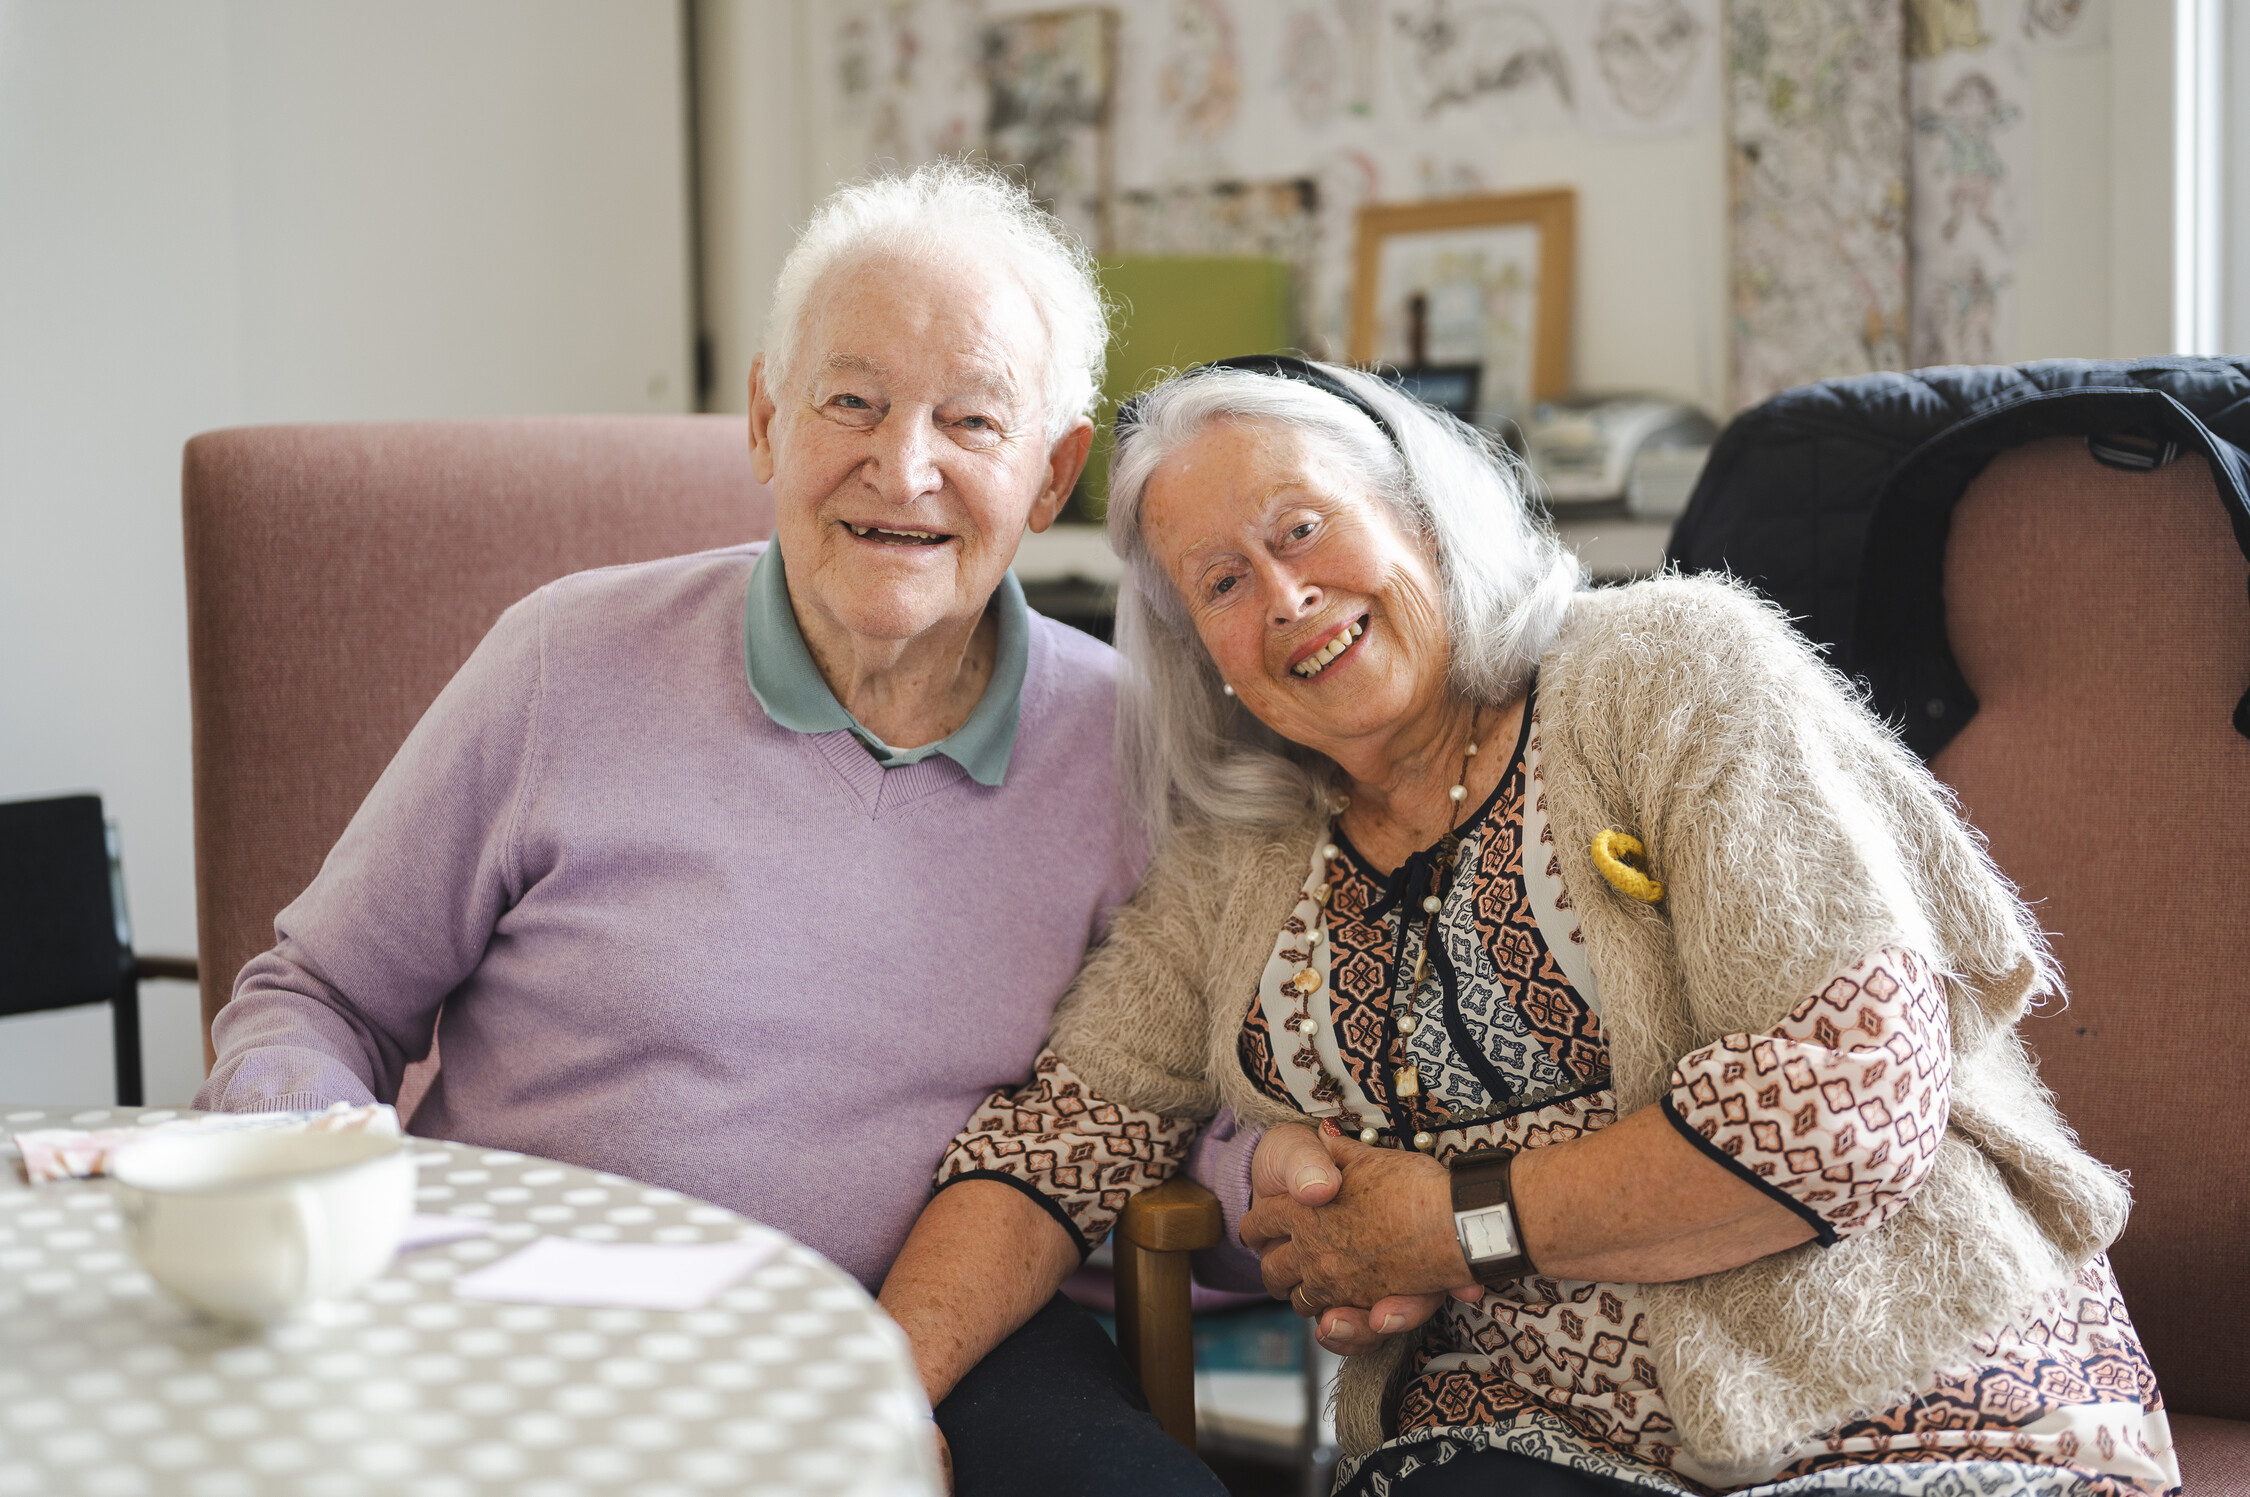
x=1157, y=1231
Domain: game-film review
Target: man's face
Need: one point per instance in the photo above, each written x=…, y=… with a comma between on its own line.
x=907, y=448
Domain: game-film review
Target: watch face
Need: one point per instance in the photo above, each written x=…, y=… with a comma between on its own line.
x=1488, y=1234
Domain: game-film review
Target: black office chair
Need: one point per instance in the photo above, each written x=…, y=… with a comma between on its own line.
x=65, y=939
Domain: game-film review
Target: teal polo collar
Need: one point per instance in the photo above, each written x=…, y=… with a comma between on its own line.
x=790, y=687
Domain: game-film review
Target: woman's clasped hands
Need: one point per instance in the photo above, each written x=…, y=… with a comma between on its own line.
x=1358, y=1236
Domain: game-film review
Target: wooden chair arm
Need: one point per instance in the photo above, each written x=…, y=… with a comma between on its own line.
x=1155, y=1330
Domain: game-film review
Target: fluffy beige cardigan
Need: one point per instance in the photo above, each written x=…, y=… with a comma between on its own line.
x=1792, y=835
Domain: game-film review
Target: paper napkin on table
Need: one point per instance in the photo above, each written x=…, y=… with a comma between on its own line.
x=628, y=1275
x=436, y=1231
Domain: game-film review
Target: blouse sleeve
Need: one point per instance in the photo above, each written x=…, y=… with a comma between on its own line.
x=1838, y=1110
x=1079, y=1156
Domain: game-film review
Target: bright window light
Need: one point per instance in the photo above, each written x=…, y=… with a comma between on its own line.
x=2199, y=128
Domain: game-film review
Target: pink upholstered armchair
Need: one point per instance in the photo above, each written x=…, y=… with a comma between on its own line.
x=2103, y=620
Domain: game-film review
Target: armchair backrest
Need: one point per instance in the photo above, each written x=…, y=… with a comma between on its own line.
x=2102, y=619
x=337, y=577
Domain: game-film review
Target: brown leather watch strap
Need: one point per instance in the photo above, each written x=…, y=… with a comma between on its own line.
x=1480, y=1178
x=1484, y=1214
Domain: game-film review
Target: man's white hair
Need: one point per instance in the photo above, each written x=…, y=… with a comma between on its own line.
x=965, y=214
x=1185, y=751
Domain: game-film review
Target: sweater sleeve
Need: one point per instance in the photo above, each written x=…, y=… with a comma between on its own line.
x=1079, y=1156
x=1220, y=1162
x=1837, y=1111
x=404, y=907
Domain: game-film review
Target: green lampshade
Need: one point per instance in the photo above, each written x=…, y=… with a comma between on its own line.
x=1174, y=311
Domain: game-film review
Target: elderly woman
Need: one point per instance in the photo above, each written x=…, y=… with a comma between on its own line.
x=1653, y=1006
x=751, y=873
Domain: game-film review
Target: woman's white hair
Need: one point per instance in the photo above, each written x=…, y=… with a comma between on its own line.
x=966, y=214
x=1186, y=752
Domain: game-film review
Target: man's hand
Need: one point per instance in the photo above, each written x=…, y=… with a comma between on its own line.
x=944, y=1460
x=1339, y=1225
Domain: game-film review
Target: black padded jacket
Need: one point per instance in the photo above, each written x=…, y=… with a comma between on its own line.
x=1834, y=499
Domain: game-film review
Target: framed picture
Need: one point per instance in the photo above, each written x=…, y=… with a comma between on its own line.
x=1462, y=291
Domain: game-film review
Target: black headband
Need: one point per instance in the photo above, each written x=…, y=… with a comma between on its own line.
x=1280, y=366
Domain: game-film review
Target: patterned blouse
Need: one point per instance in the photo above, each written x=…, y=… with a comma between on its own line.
x=1836, y=1113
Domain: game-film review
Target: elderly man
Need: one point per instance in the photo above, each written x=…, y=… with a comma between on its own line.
x=752, y=873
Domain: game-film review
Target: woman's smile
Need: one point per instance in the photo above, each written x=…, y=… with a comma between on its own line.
x=1315, y=659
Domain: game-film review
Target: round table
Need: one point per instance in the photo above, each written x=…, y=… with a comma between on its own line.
x=791, y=1381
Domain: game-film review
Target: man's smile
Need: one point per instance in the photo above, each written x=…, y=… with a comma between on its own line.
x=886, y=536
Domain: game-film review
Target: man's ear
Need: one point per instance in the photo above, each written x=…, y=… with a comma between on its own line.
x=762, y=411
x=1065, y=461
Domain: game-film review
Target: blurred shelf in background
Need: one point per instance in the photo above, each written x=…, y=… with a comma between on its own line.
x=1617, y=548
x=1069, y=575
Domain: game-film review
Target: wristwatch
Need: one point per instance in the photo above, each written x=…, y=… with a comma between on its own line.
x=1484, y=1217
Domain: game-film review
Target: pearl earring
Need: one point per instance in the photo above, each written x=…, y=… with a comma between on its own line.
x=1227, y=688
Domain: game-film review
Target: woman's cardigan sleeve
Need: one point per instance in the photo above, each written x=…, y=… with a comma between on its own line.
x=1793, y=835
x=1137, y=1022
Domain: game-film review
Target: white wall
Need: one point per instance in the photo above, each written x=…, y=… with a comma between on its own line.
x=451, y=209
x=2140, y=163
x=2062, y=273
x=756, y=189
x=2094, y=276
x=217, y=213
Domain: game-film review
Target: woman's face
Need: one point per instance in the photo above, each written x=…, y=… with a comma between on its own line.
x=1324, y=615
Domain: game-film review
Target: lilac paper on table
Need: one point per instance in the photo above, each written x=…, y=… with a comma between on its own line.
x=625, y=1275
x=436, y=1231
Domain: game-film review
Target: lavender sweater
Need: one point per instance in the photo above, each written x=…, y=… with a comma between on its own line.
x=656, y=933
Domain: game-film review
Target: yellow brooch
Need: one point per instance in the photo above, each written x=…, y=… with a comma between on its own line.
x=1624, y=862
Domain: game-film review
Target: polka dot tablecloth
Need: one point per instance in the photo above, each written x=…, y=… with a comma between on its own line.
x=791, y=1381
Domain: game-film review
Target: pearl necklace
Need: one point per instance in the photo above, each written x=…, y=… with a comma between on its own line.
x=1406, y=1080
